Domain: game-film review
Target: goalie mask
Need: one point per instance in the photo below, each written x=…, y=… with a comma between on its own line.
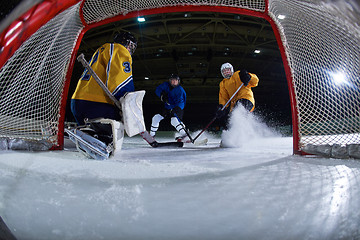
x=174, y=80
x=227, y=70
x=126, y=39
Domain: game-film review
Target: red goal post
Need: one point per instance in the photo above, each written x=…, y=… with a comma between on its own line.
x=318, y=43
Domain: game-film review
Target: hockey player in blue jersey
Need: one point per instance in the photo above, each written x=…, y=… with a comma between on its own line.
x=174, y=98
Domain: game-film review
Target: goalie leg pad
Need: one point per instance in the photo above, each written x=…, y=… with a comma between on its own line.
x=131, y=106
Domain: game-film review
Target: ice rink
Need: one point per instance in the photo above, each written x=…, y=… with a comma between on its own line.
x=254, y=190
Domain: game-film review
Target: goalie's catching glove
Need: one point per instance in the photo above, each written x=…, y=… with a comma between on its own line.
x=164, y=97
x=219, y=112
x=244, y=77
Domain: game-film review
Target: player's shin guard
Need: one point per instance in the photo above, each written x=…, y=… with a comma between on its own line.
x=180, y=127
x=155, y=124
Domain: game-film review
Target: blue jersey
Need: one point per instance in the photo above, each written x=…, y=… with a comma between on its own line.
x=176, y=96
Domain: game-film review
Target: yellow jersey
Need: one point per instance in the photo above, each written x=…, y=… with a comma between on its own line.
x=112, y=62
x=229, y=86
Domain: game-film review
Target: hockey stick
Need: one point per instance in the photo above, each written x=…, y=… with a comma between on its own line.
x=83, y=61
x=202, y=142
x=145, y=135
x=185, y=130
x=222, y=109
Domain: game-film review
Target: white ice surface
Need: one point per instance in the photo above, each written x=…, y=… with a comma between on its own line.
x=257, y=190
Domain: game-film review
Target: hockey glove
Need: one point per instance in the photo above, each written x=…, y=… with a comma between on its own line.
x=244, y=77
x=164, y=97
x=219, y=112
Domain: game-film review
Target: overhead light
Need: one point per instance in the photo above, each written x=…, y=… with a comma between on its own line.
x=141, y=19
x=281, y=17
x=257, y=51
x=338, y=78
x=147, y=78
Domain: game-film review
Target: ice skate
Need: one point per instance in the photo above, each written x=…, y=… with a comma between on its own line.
x=99, y=138
x=183, y=138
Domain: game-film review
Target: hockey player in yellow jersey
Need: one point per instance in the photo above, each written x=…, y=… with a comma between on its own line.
x=112, y=62
x=229, y=85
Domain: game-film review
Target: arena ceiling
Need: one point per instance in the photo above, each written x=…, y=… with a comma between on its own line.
x=194, y=45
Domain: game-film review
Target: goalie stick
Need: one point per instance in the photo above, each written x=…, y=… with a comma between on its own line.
x=145, y=134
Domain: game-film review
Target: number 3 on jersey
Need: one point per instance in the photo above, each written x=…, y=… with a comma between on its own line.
x=127, y=67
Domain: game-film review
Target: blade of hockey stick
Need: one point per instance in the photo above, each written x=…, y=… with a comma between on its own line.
x=198, y=142
x=151, y=140
x=167, y=144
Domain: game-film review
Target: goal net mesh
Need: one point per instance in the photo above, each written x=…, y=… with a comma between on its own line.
x=32, y=80
x=321, y=44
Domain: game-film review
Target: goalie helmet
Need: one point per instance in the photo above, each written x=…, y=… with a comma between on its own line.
x=174, y=83
x=227, y=70
x=126, y=39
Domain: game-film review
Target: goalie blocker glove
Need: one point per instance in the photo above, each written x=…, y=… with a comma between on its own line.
x=244, y=77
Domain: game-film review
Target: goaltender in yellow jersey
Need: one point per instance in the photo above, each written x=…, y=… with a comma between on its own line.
x=112, y=62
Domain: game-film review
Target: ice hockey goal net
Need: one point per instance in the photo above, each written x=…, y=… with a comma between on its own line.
x=319, y=42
